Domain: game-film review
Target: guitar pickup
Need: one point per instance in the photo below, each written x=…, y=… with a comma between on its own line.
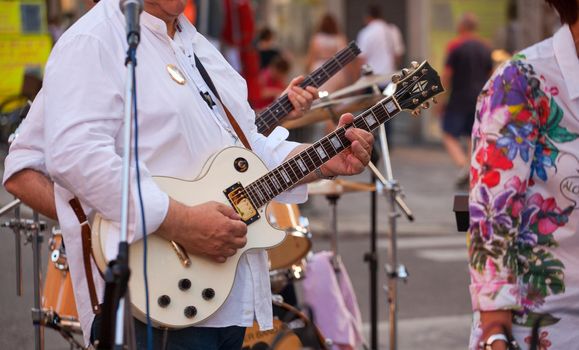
x=239, y=200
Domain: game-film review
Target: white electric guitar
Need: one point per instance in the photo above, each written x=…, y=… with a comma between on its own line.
x=186, y=289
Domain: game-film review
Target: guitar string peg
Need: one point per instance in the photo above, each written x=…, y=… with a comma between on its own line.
x=414, y=64
x=416, y=112
x=426, y=105
x=396, y=78
x=405, y=71
x=434, y=100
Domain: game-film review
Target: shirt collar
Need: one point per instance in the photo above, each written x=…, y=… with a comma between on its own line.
x=158, y=26
x=566, y=56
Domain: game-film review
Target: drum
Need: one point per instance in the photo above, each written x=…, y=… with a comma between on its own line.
x=297, y=243
x=58, y=303
x=296, y=333
x=280, y=278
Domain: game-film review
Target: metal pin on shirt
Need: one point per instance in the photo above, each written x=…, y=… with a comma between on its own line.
x=176, y=74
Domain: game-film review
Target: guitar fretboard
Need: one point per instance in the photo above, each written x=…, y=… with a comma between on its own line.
x=289, y=173
x=267, y=120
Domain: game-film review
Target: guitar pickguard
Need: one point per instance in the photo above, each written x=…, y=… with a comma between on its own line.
x=238, y=198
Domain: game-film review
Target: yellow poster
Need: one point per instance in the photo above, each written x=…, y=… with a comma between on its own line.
x=9, y=17
x=24, y=43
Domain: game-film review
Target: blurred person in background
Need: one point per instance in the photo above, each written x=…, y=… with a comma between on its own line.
x=267, y=47
x=381, y=43
x=524, y=223
x=273, y=80
x=467, y=67
x=325, y=43
x=382, y=49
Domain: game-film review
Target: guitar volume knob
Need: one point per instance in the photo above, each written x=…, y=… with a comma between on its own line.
x=208, y=293
x=184, y=284
x=190, y=311
x=164, y=300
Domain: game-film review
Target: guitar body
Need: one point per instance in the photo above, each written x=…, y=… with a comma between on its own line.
x=166, y=270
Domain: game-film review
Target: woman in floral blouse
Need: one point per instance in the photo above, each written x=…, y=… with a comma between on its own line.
x=524, y=197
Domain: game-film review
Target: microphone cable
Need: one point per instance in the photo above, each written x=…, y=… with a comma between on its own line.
x=131, y=55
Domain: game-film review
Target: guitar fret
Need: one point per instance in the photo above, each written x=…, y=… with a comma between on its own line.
x=294, y=167
x=317, y=161
x=329, y=147
x=302, y=165
x=276, y=182
x=248, y=191
x=272, y=183
x=286, y=164
x=331, y=144
x=279, y=177
x=264, y=186
x=335, y=141
x=310, y=157
x=285, y=176
x=321, y=151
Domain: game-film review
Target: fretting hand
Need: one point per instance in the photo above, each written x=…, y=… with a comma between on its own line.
x=354, y=159
x=301, y=99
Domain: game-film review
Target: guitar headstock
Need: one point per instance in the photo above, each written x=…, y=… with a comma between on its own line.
x=415, y=86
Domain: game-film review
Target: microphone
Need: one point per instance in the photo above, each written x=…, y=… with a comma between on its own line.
x=132, y=10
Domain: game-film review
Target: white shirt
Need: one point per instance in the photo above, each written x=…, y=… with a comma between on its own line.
x=381, y=43
x=83, y=100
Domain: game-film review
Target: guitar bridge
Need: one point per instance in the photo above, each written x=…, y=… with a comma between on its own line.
x=238, y=198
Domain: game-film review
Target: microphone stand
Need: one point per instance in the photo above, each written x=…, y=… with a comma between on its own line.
x=394, y=194
x=118, y=271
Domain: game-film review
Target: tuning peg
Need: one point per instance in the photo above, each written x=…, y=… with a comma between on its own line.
x=414, y=64
x=405, y=71
x=435, y=88
x=396, y=78
x=416, y=112
x=426, y=105
x=434, y=100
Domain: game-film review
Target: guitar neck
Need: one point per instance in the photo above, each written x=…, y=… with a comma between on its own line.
x=292, y=171
x=268, y=119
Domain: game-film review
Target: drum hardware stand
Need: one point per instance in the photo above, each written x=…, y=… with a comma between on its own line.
x=394, y=194
x=32, y=231
x=333, y=200
x=15, y=204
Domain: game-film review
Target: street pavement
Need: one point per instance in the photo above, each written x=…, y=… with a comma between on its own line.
x=434, y=306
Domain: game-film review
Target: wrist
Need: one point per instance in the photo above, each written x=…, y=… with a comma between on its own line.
x=498, y=341
x=324, y=174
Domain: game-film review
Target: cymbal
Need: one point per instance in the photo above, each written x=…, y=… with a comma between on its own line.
x=338, y=187
x=333, y=109
x=364, y=82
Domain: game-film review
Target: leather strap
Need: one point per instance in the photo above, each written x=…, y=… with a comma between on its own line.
x=232, y=120
x=86, y=252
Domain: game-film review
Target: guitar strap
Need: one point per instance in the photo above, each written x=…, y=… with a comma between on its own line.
x=86, y=252
x=232, y=120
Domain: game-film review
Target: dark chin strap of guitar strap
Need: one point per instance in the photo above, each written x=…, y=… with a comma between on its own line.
x=232, y=120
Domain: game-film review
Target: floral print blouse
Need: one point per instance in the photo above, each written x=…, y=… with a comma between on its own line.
x=523, y=236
